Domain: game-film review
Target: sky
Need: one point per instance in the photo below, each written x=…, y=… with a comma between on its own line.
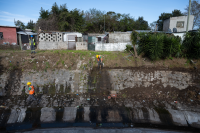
x=26, y=10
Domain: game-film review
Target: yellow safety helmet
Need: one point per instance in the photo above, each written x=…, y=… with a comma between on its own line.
x=28, y=83
x=97, y=56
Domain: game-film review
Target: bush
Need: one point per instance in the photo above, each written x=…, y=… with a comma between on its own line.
x=159, y=45
x=129, y=47
x=172, y=46
x=191, y=45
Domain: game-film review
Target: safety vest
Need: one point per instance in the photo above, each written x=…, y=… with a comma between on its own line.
x=32, y=91
x=30, y=42
x=98, y=58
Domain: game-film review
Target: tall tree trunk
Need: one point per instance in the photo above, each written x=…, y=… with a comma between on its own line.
x=135, y=51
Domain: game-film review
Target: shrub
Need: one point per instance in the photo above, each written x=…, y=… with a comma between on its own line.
x=159, y=45
x=129, y=47
x=191, y=45
x=172, y=46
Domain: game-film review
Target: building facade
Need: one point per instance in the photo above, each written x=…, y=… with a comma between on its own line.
x=179, y=23
x=8, y=35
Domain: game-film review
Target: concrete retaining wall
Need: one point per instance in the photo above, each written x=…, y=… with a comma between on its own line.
x=119, y=37
x=81, y=46
x=111, y=46
x=43, y=45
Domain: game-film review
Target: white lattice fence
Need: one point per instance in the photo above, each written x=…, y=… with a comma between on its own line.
x=42, y=37
x=47, y=37
x=59, y=37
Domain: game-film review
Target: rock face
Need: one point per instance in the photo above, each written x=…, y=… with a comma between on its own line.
x=66, y=81
x=48, y=115
x=121, y=79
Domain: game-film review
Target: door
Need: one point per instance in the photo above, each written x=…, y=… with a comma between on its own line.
x=91, y=43
x=72, y=42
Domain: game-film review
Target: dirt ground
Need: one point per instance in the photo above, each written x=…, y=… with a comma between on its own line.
x=68, y=59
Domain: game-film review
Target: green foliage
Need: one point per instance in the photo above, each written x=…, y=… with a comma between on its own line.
x=172, y=46
x=129, y=48
x=159, y=45
x=20, y=24
x=191, y=45
x=60, y=18
x=63, y=63
x=134, y=36
x=44, y=14
x=30, y=25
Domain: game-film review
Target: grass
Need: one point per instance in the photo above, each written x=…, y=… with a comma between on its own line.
x=63, y=63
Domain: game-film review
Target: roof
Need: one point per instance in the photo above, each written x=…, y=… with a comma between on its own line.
x=9, y=26
x=26, y=33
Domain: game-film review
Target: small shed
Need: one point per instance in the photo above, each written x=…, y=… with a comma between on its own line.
x=70, y=38
x=23, y=39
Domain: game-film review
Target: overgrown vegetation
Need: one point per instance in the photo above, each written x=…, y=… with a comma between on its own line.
x=162, y=46
x=191, y=45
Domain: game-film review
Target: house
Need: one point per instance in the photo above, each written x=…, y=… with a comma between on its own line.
x=178, y=24
x=8, y=34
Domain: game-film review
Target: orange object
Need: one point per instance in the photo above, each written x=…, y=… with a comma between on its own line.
x=32, y=91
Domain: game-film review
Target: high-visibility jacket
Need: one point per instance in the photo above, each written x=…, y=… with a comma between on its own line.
x=99, y=58
x=32, y=91
x=30, y=42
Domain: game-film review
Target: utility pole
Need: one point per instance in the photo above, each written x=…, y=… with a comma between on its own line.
x=104, y=23
x=188, y=15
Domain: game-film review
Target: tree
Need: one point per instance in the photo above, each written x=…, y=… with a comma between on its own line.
x=30, y=25
x=143, y=25
x=177, y=13
x=134, y=36
x=153, y=25
x=55, y=9
x=20, y=24
x=195, y=10
x=44, y=14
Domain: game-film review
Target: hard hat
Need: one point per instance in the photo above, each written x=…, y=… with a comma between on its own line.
x=97, y=56
x=28, y=83
x=31, y=35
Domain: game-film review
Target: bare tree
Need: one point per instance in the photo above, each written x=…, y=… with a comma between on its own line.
x=195, y=10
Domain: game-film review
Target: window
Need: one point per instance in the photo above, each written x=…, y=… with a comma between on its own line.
x=99, y=39
x=1, y=35
x=78, y=39
x=180, y=24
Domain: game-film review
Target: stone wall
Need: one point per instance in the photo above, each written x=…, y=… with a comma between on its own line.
x=121, y=79
x=77, y=80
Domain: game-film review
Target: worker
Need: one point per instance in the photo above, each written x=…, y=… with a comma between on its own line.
x=100, y=61
x=32, y=44
x=31, y=93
